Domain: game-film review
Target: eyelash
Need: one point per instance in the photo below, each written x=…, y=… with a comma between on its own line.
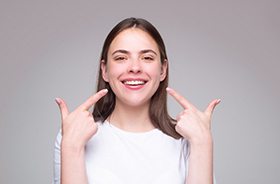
x=148, y=58
x=120, y=58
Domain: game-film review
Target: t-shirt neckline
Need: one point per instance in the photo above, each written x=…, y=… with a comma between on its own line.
x=119, y=130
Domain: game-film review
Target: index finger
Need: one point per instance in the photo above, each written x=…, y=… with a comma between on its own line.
x=180, y=99
x=93, y=99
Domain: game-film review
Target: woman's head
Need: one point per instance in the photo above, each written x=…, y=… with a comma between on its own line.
x=134, y=23
x=155, y=50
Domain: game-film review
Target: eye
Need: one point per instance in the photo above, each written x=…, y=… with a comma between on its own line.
x=120, y=58
x=148, y=58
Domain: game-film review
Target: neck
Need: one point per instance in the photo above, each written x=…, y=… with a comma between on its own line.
x=133, y=119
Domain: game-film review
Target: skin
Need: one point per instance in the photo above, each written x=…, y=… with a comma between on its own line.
x=133, y=55
x=129, y=58
x=195, y=126
x=77, y=128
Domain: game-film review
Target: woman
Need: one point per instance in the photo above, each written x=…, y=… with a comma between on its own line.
x=129, y=137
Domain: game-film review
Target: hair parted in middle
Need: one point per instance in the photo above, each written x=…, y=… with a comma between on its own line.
x=158, y=112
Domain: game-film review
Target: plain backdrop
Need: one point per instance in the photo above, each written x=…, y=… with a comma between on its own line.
x=226, y=49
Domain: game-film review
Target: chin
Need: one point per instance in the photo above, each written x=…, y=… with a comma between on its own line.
x=135, y=102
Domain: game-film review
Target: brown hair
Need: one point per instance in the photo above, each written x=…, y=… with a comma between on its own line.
x=158, y=106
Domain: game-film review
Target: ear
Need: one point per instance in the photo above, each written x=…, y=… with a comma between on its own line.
x=164, y=67
x=104, y=70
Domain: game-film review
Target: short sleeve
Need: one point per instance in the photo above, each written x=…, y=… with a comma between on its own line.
x=56, y=161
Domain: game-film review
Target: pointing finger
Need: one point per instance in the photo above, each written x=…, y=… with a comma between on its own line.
x=63, y=107
x=180, y=99
x=93, y=99
x=209, y=110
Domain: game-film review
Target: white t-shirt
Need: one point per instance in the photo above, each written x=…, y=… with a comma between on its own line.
x=115, y=156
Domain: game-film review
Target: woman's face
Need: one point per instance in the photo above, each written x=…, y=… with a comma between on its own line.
x=134, y=69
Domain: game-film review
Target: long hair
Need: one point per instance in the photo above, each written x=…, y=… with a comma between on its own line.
x=158, y=112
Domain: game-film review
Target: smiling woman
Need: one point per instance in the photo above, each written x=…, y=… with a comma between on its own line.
x=130, y=137
x=124, y=40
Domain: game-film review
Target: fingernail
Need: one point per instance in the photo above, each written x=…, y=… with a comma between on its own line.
x=57, y=100
x=105, y=90
x=218, y=101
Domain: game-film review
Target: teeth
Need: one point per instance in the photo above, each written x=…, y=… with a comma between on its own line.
x=134, y=82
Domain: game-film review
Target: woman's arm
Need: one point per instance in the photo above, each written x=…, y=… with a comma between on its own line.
x=77, y=128
x=73, y=170
x=195, y=126
x=200, y=163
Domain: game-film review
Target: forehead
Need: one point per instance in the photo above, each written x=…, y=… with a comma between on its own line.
x=133, y=39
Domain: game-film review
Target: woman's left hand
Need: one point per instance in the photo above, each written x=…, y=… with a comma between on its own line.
x=193, y=124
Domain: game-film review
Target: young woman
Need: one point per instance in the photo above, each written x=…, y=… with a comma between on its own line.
x=129, y=137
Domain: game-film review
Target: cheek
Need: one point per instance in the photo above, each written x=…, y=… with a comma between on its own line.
x=154, y=71
x=113, y=71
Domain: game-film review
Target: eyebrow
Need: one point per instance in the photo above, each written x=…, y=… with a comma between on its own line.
x=147, y=50
x=141, y=52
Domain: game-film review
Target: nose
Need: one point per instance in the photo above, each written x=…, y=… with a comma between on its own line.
x=135, y=66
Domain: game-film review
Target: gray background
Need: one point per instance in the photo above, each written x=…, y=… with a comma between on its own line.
x=227, y=49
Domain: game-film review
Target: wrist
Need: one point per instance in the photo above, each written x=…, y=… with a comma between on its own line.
x=70, y=147
x=205, y=141
x=201, y=149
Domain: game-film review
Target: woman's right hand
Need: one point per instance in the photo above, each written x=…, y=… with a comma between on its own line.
x=78, y=126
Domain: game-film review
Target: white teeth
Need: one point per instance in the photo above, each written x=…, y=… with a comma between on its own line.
x=134, y=82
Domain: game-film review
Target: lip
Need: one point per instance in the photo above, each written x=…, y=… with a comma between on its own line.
x=134, y=86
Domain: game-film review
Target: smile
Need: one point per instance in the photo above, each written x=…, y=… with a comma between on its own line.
x=134, y=82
